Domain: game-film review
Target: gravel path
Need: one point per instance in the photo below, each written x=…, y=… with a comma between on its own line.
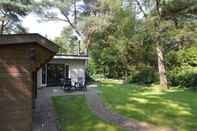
x=97, y=106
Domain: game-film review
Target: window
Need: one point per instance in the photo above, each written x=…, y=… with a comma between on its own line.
x=67, y=71
x=44, y=73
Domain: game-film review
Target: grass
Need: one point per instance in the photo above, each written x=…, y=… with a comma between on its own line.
x=176, y=108
x=74, y=115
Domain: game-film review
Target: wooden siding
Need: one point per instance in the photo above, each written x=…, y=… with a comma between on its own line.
x=16, y=67
x=43, y=56
x=15, y=89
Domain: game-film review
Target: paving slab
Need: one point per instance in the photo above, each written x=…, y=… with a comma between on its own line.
x=44, y=116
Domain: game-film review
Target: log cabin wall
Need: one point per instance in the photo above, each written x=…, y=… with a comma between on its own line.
x=15, y=88
x=16, y=84
x=43, y=56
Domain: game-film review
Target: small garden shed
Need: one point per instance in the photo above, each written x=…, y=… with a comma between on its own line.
x=21, y=56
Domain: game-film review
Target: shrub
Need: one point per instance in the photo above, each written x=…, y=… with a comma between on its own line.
x=184, y=57
x=89, y=78
x=182, y=68
x=183, y=76
x=144, y=75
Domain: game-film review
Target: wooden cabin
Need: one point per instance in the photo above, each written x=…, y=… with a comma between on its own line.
x=21, y=56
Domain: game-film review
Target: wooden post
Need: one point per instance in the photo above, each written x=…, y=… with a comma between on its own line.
x=34, y=75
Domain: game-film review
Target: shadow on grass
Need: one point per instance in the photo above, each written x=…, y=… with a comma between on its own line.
x=74, y=115
x=176, y=108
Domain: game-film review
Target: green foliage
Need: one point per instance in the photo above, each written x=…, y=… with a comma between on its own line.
x=61, y=42
x=111, y=35
x=68, y=42
x=179, y=8
x=91, y=69
x=123, y=45
x=89, y=78
x=11, y=12
x=184, y=76
x=182, y=66
x=184, y=57
x=143, y=74
x=120, y=43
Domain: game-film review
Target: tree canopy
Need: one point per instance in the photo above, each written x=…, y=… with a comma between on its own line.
x=128, y=39
x=11, y=12
x=141, y=43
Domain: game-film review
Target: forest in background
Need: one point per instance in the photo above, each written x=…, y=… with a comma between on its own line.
x=143, y=41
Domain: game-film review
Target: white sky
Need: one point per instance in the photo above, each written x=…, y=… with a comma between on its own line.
x=50, y=29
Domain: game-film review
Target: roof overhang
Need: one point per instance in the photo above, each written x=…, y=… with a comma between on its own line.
x=70, y=57
x=28, y=38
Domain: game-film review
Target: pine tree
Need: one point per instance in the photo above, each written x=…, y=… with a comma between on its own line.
x=11, y=12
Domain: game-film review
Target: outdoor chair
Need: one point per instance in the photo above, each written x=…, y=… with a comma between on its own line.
x=81, y=84
x=67, y=84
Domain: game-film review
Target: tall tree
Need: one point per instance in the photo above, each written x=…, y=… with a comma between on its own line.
x=156, y=17
x=11, y=12
x=158, y=12
x=109, y=36
x=69, y=44
x=72, y=12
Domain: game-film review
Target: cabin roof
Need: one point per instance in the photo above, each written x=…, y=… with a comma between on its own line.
x=28, y=38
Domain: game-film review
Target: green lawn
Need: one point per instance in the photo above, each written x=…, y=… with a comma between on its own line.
x=175, y=108
x=74, y=115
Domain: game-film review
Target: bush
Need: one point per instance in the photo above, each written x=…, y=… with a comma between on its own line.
x=184, y=57
x=182, y=68
x=183, y=76
x=143, y=75
x=89, y=78
x=91, y=67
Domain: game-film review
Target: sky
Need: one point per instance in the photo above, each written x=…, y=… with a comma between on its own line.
x=49, y=29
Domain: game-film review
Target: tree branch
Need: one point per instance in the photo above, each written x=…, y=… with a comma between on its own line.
x=157, y=7
x=51, y=18
x=2, y=27
x=71, y=24
x=140, y=7
x=75, y=12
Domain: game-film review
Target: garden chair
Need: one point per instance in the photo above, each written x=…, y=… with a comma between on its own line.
x=81, y=83
x=67, y=84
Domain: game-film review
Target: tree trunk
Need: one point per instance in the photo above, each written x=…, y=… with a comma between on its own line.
x=2, y=28
x=75, y=13
x=126, y=71
x=161, y=67
x=126, y=77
